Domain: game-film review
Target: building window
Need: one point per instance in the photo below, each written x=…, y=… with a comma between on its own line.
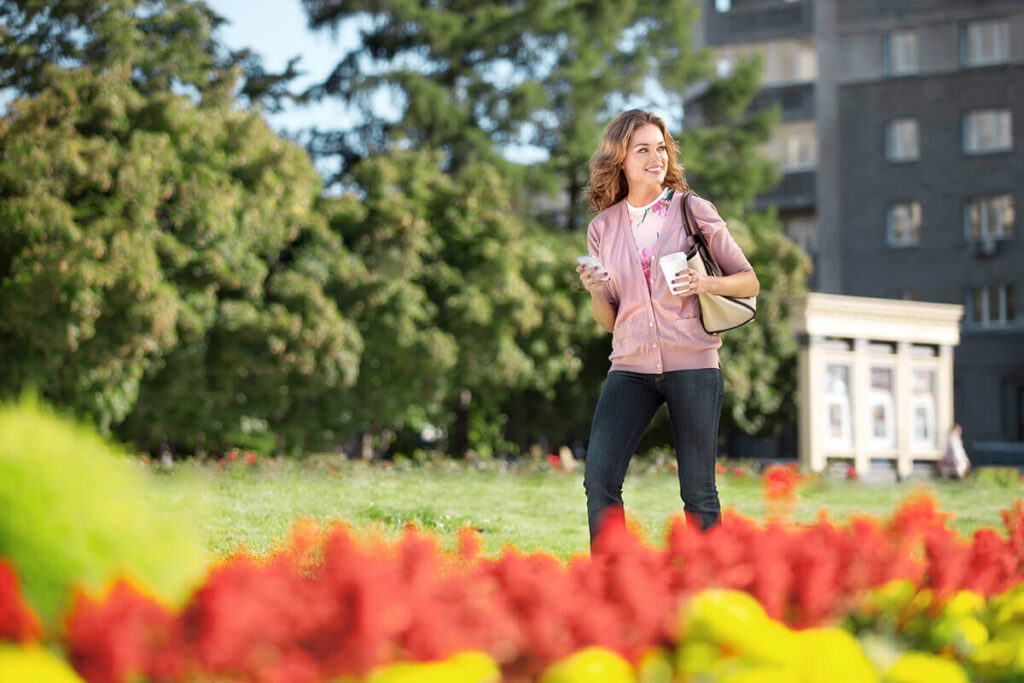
x=883, y=408
x=923, y=400
x=901, y=140
x=988, y=130
x=723, y=5
x=900, y=53
x=989, y=218
x=904, y=225
x=992, y=306
x=794, y=146
x=838, y=420
x=782, y=61
x=984, y=42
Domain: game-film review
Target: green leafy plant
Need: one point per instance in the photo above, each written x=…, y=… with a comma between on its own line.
x=73, y=513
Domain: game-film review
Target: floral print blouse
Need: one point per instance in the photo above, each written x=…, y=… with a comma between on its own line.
x=646, y=223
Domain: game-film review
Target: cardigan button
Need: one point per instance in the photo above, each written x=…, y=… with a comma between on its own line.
x=650, y=324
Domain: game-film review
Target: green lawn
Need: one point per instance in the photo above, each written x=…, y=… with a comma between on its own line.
x=254, y=507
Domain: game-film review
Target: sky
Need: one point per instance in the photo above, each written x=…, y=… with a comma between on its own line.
x=277, y=31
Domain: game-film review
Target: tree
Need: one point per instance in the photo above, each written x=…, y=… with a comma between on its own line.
x=564, y=69
x=475, y=76
x=158, y=264
x=463, y=303
x=758, y=360
x=163, y=43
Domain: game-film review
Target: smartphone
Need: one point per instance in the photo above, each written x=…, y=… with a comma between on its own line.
x=589, y=261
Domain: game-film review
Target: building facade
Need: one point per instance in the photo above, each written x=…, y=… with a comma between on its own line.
x=901, y=151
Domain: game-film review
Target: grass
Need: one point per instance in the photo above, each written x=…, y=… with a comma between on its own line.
x=532, y=508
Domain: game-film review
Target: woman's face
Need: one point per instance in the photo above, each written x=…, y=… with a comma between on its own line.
x=646, y=159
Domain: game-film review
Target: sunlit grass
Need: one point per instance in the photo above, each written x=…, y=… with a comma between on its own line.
x=537, y=509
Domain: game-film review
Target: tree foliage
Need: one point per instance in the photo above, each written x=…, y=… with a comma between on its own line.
x=473, y=77
x=171, y=268
x=161, y=260
x=460, y=295
x=164, y=44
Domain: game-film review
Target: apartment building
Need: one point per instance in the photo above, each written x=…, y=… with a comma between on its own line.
x=900, y=144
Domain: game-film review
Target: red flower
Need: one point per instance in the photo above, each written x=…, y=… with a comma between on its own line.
x=330, y=605
x=739, y=472
x=123, y=636
x=721, y=469
x=233, y=456
x=18, y=622
x=851, y=472
x=780, y=482
x=250, y=458
x=555, y=461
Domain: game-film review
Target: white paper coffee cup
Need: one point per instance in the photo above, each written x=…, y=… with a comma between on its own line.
x=672, y=264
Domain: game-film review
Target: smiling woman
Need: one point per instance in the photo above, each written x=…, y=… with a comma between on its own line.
x=660, y=351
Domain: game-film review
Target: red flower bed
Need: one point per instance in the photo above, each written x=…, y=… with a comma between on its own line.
x=333, y=604
x=18, y=622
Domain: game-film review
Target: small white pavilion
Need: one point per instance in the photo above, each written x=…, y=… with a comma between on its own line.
x=875, y=379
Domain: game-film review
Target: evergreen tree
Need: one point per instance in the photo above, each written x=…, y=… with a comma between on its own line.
x=163, y=43
x=473, y=77
x=463, y=303
x=162, y=269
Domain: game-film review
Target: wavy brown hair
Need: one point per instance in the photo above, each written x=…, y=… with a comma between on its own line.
x=607, y=181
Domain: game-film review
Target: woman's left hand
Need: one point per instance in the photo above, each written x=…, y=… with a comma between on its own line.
x=689, y=281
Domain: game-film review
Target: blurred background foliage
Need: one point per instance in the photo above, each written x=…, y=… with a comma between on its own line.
x=176, y=272
x=67, y=537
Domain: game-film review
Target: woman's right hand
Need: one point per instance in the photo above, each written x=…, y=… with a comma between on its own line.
x=593, y=279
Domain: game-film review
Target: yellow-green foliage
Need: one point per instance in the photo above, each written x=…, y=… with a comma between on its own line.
x=727, y=636
x=462, y=667
x=72, y=513
x=33, y=664
x=590, y=665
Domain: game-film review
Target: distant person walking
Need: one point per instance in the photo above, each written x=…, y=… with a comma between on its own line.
x=660, y=351
x=954, y=463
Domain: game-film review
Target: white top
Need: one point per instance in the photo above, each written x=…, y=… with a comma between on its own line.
x=647, y=222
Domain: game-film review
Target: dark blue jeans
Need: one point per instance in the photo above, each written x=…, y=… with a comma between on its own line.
x=627, y=405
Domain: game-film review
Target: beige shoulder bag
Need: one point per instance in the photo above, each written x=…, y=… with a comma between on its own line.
x=718, y=313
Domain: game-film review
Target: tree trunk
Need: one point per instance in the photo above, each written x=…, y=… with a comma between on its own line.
x=460, y=430
x=574, y=196
x=366, y=446
x=387, y=437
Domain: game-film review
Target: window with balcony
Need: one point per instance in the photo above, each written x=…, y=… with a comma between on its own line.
x=903, y=227
x=992, y=306
x=782, y=61
x=988, y=130
x=987, y=219
x=984, y=42
x=900, y=53
x=794, y=146
x=901, y=140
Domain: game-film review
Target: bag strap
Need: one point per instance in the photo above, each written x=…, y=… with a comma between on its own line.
x=698, y=237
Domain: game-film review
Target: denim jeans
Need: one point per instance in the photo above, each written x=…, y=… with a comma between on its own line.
x=627, y=405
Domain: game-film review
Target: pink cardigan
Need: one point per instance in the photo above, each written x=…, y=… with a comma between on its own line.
x=656, y=331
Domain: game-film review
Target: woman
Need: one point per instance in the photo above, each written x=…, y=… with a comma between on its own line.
x=660, y=352
x=955, y=463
